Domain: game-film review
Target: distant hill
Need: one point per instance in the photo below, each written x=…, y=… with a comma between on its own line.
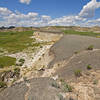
x=52, y=28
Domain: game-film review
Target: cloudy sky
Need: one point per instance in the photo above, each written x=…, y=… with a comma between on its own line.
x=50, y=12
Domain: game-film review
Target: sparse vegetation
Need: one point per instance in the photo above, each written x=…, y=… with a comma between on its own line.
x=90, y=47
x=61, y=80
x=3, y=84
x=89, y=67
x=60, y=97
x=95, y=82
x=97, y=36
x=76, y=52
x=66, y=87
x=17, y=71
x=25, y=79
x=71, y=98
x=1, y=51
x=6, y=61
x=16, y=41
x=81, y=33
x=54, y=84
x=77, y=73
x=20, y=62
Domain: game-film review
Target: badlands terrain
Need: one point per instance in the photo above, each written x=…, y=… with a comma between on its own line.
x=50, y=63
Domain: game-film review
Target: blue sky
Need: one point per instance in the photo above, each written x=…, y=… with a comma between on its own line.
x=53, y=8
x=49, y=12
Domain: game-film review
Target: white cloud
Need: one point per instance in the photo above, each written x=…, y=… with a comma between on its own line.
x=34, y=19
x=20, y=19
x=67, y=20
x=25, y=1
x=16, y=18
x=4, y=11
x=89, y=9
x=95, y=22
x=46, y=18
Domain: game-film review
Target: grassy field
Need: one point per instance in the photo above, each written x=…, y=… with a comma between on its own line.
x=82, y=33
x=6, y=61
x=15, y=41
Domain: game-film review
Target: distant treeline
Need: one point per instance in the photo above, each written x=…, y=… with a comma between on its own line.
x=10, y=27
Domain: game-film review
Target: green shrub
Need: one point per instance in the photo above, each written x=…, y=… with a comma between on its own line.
x=54, y=84
x=89, y=67
x=3, y=84
x=17, y=70
x=25, y=79
x=22, y=60
x=60, y=97
x=1, y=51
x=95, y=82
x=78, y=73
x=41, y=46
x=71, y=98
x=90, y=47
x=76, y=52
x=66, y=87
x=21, y=64
x=62, y=80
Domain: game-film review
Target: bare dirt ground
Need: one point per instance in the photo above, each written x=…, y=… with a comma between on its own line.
x=87, y=87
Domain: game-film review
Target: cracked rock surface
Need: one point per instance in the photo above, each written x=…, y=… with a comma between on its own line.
x=34, y=89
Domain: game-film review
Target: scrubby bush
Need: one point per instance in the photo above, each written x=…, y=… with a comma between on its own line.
x=60, y=97
x=90, y=47
x=76, y=52
x=17, y=71
x=71, y=98
x=54, y=84
x=21, y=62
x=62, y=80
x=41, y=46
x=89, y=67
x=78, y=73
x=3, y=84
x=66, y=87
x=25, y=79
x=95, y=82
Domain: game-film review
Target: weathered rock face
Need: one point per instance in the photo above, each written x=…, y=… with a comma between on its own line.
x=16, y=92
x=80, y=62
x=34, y=89
x=69, y=44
